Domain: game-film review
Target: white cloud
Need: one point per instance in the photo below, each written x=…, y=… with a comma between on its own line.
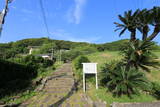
x=63, y=35
x=74, y=14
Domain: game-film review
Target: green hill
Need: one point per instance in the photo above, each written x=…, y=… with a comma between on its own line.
x=11, y=49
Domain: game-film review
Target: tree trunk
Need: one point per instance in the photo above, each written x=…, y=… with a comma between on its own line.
x=145, y=33
x=155, y=33
x=133, y=35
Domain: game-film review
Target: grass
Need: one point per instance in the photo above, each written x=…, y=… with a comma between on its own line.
x=104, y=57
x=21, y=97
x=103, y=94
x=106, y=96
x=157, y=53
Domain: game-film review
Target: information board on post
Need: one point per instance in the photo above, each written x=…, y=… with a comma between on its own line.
x=89, y=68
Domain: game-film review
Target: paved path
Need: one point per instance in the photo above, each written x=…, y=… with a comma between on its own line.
x=147, y=104
x=56, y=90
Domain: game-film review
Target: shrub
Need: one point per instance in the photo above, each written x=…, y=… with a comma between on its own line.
x=15, y=77
x=122, y=82
x=77, y=63
x=156, y=89
x=70, y=55
x=108, y=67
x=37, y=62
x=53, y=67
x=47, y=63
x=79, y=60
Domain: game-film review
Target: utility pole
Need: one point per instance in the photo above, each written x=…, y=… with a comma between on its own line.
x=3, y=14
x=52, y=53
x=60, y=56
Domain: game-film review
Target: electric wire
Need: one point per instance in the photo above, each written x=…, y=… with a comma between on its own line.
x=44, y=16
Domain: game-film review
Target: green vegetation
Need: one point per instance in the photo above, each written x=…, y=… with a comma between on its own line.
x=79, y=60
x=138, y=54
x=141, y=20
x=77, y=65
x=120, y=82
x=13, y=74
x=113, y=46
x=103, y=93
x=18, y=77
x=29, y=68
x=121, y=64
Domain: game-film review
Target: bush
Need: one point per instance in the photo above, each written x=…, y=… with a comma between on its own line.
x=47, y=63
x=70, y=55
x=53, y=67
x=156, y=90
x=77, y=63
x=79, y=60
x=122, y=82
x=37, y=62
x=111, y=66
x=15, y=77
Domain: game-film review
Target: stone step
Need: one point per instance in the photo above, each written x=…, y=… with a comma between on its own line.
x=57, y=90
x=51, y=87
x=62, y=84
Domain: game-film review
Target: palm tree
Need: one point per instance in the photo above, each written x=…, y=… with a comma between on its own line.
x=145, y=18
x=140, y=20
x=129, y=21
x=155, y=12
x=139, y=55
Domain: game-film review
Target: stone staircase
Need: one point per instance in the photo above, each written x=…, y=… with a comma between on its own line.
x=56, y=90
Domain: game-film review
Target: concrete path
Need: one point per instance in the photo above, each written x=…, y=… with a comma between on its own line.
x=56, y=90
x=147, y=104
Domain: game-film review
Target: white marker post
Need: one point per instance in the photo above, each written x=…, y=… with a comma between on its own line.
x=89, y=68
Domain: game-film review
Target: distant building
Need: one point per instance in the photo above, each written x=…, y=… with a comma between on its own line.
x=31, y=48
x=45, y=56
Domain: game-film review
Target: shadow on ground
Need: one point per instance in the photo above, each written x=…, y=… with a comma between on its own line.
x=71, y=92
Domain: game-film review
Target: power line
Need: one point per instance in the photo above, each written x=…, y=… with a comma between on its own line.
x=44, y=16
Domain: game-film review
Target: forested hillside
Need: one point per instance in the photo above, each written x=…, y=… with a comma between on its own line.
x=11, y=49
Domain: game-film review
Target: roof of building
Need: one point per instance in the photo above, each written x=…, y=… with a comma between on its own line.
x=48, y=54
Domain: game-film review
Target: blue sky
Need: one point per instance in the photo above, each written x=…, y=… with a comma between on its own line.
x=74, y=20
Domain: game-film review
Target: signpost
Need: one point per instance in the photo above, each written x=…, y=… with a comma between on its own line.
x=89, y=68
